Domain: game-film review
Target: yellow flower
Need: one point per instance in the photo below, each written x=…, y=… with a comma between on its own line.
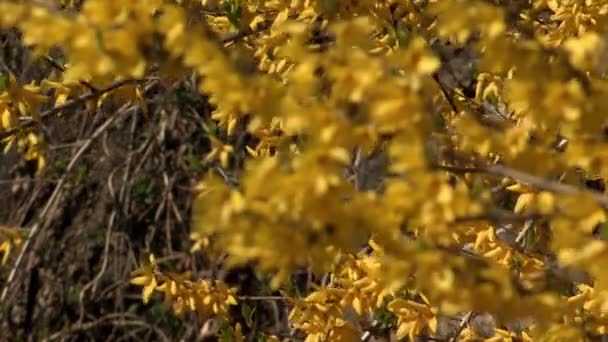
x=10, y=238
x=219, y=151
x=412, y=318
x=146, y=278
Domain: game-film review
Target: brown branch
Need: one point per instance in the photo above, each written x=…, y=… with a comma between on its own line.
x=446, y=93
x=116, y=319
x=71, y=103
x=50, y=203
x=499, y=216
x=463, y=323
x=458, y=169
x=521, y=237
x=234, y=36
x=262, y=298
x=545, y=184
x=528, y=179
x=247, y=31
x=61, y=68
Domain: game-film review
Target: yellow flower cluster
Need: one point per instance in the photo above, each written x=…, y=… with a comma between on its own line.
x=205, y=298
x=456, y=138
x=18, y=102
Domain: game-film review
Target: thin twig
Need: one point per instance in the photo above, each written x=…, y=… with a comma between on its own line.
x=68, y=104
x=61, y=68
x=234, y=36
x=545, y=184
x=116, y=319
x=463, y=323
x=23, y=181
x=261, y=298
x=106, y=249
x=50, y=203
x=459, y=169
x=528, y=179
x=499, y=215
x=522, y=234
x=167, y=196
x=446, y=94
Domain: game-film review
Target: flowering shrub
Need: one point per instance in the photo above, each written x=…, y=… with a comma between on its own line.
x=435, y=160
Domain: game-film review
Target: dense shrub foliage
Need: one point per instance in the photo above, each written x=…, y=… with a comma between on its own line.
x=437, y=165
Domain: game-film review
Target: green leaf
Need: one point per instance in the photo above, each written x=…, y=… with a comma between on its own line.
x=328, y=7
x=233, y=12
x=226, y=333
x=247, y=312
x=478, y=187
x=165, y=317
x=180, y=97
x=169, y=265
x=195, y=164
x=403, y=35
x=81, y=171
x=516, y=264
x=210, y=128
x=530, y=236
x=602, y=231
x=145, y=190
x=99, y=39
x=3, y=82
x=133, y=308
x=386, y=319
x=73, y=295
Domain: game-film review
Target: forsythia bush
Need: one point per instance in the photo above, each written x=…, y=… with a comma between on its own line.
x=434, y=159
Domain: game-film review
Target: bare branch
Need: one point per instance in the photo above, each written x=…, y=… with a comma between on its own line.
x=50, y=203
x=71, y=103
x=528, y=179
